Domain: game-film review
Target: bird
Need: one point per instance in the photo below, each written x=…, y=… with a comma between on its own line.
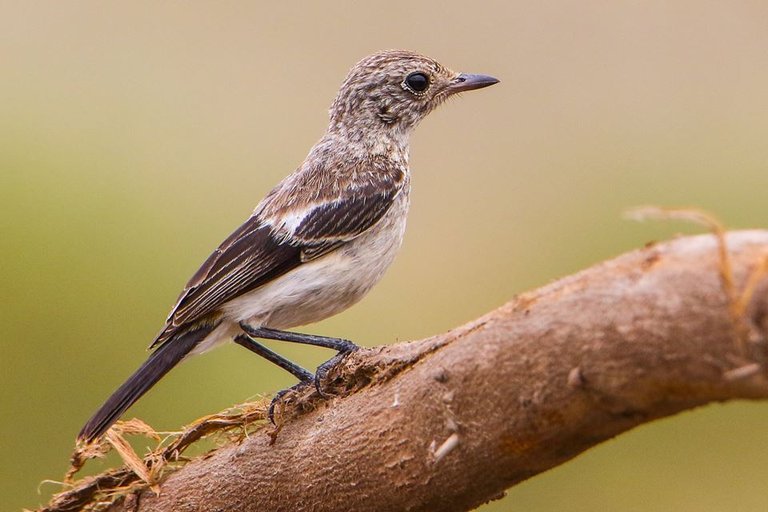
x=318, y=241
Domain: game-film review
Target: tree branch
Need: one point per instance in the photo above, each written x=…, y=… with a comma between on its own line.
x=449, y=422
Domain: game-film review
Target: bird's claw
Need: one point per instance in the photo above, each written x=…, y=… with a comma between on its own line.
x=323, y=369
x=278, y=399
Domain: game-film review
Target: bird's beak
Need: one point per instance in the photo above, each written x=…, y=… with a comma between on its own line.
x=468, y=82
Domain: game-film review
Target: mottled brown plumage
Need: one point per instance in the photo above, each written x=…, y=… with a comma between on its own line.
x=320, y=240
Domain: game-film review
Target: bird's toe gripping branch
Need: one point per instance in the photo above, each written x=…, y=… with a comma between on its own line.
x=342, y=346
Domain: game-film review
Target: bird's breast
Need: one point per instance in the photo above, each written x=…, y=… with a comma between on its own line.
x=373, y=251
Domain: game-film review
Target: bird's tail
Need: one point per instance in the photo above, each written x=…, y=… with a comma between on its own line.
x=158, y=364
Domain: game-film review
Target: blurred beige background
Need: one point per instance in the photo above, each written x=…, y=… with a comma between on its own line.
x=134, y=137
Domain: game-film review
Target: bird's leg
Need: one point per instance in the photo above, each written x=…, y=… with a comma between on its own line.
x=273, y=357
x=297, y=371
x=337, y=344
x=342, y=346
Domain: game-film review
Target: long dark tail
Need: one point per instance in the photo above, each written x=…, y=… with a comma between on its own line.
x=158, y=364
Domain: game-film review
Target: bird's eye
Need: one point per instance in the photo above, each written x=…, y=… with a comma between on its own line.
x=417, y=82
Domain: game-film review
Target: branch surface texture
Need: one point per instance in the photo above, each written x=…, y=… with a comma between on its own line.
x=450, y=422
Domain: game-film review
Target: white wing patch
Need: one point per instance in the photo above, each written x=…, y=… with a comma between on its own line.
x=291, y=221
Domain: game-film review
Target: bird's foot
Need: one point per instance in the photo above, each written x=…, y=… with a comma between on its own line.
x=323, y=369
x=277, y=400
x=345, y=347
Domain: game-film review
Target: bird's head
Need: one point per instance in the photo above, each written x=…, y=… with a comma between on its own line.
x=394, y=90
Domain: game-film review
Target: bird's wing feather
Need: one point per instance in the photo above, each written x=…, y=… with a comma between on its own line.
x=330, y=224
x=259, y=250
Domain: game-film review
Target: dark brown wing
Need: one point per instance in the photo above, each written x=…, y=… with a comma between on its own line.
x=247, y=259
x=257, y=252
x=333, y=223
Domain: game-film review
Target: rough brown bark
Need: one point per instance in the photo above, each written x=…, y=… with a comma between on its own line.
x=449, y=422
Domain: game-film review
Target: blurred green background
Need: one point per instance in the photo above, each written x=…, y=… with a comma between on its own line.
x=135, y=136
